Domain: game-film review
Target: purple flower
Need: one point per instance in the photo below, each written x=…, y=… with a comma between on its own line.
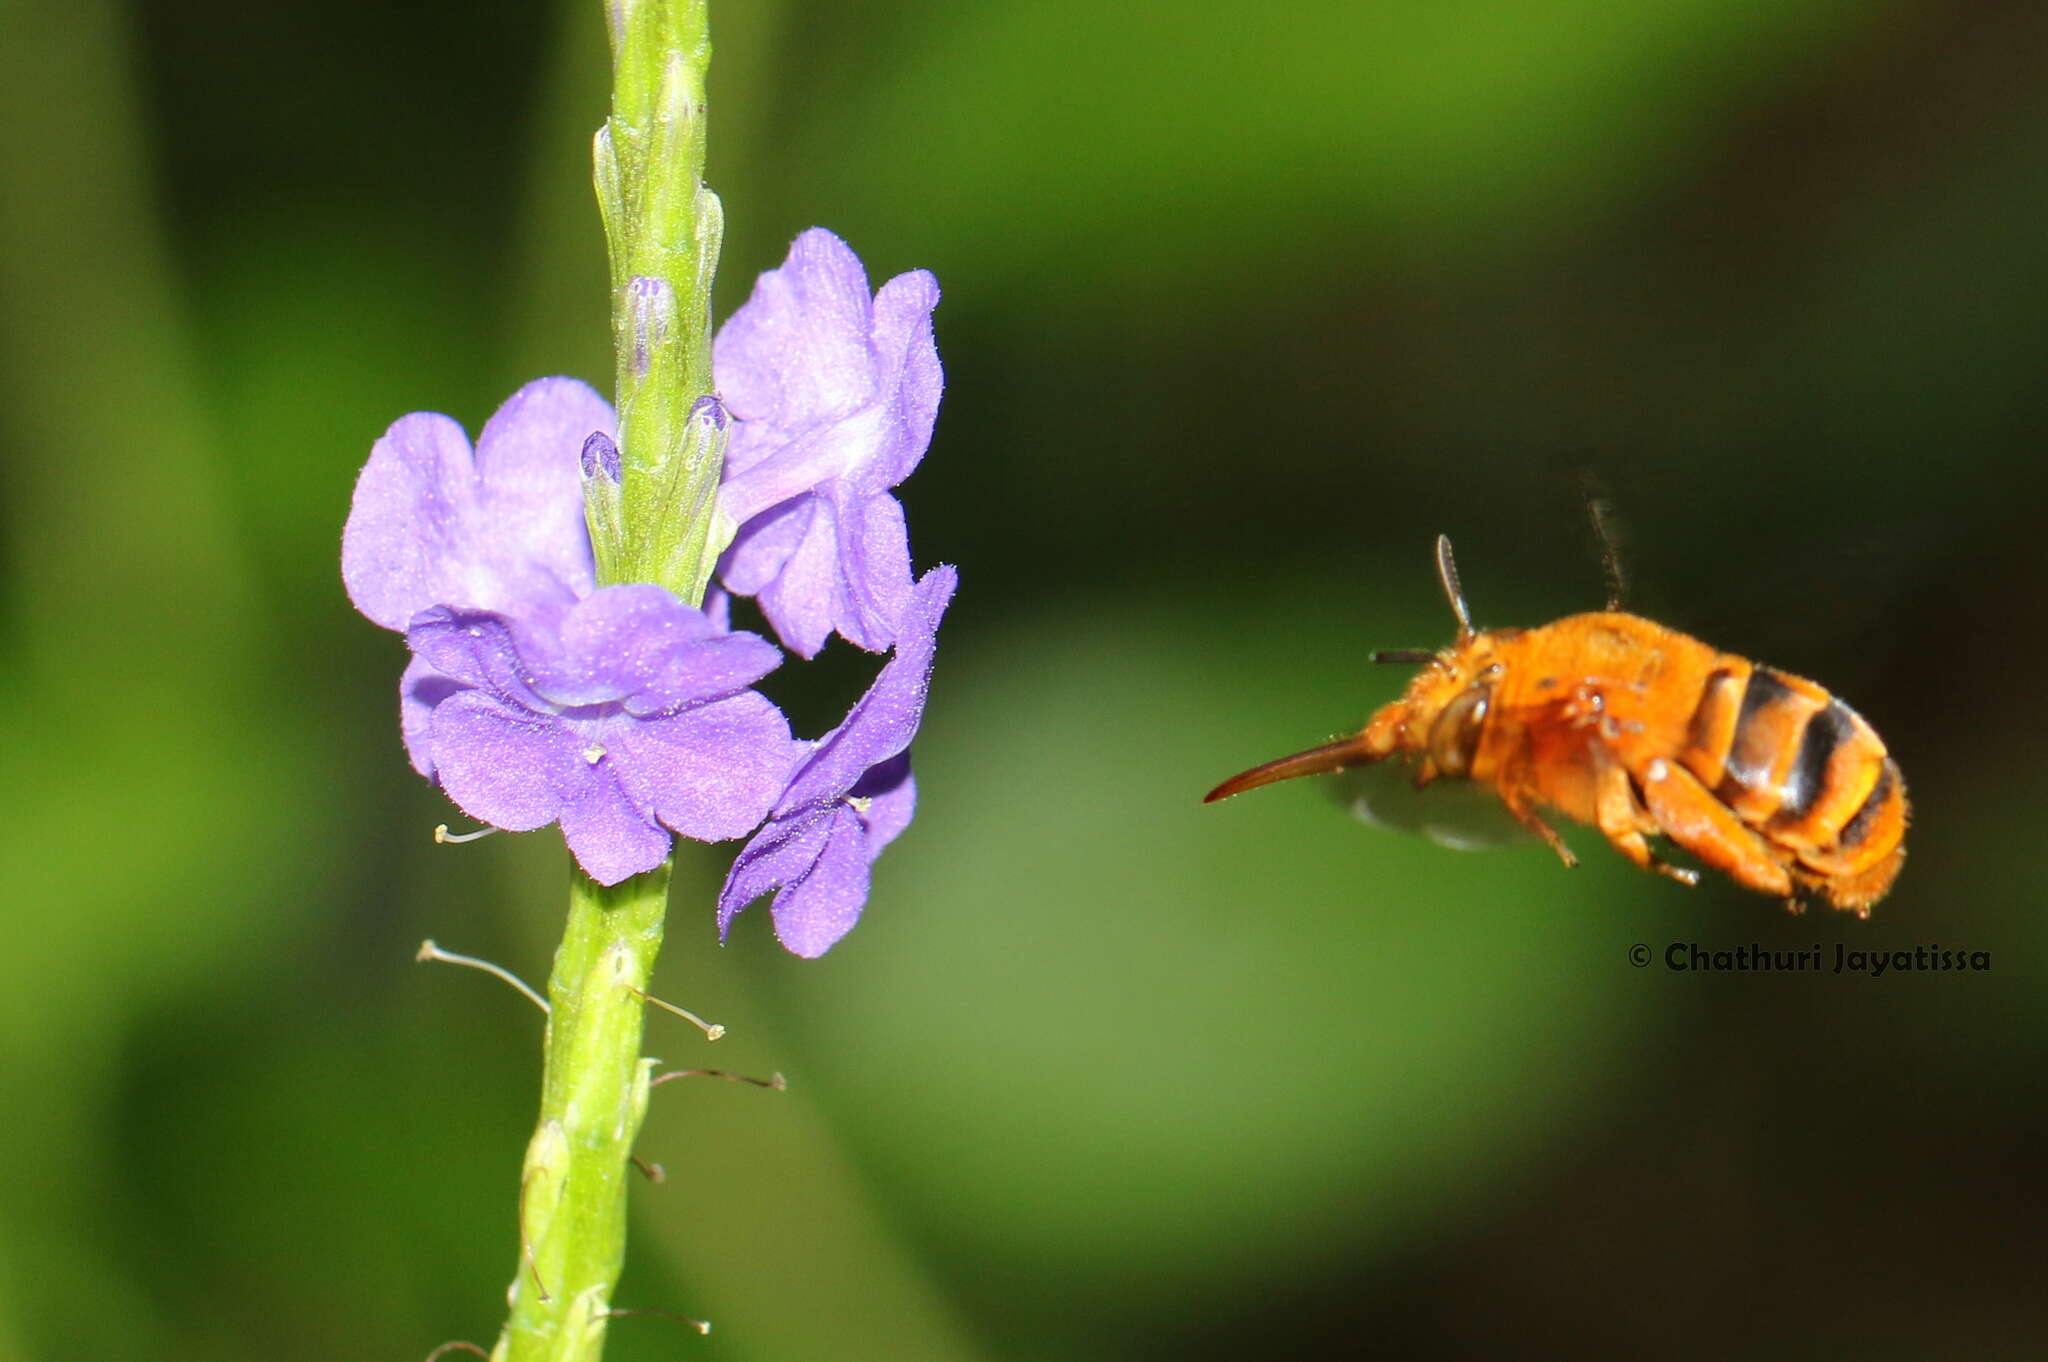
x=835, y=394
x=849, y=798
x=623, y=718
x=620, y=713
x=533, y=698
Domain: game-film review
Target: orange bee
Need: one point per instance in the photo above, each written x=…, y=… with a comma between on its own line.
x=1616, y=721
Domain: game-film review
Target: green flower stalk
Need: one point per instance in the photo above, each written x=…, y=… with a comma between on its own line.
x=651, y=520
x=663, y=229
x=572, y=1191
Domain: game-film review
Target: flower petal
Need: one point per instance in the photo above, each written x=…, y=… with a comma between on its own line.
x=410, y=516
x=718, y=608
x=819, y=860
x=783, y=851
x=479, y=648
x=502, y=530
x=763, y=545
x=710, y=670
x=529, y=466
x=711, y=773
x=608, y=833
x=812, y=458
x=615, y=641
x=882, y=722
x=796, y=353
x=802, y=600
x=874, y=568
x=813, y=912
x=890, y=795
x=911, y=375
x=420, y=690
x=503, y=765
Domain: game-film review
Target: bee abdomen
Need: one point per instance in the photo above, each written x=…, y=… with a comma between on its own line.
x=1799, y=766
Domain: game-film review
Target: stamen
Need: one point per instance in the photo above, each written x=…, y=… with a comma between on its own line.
x=702, y=1326
x=711, y=1030
x=653, y=1172
x=453, y=1344
x=429, y=953
x=774, y=1080
x=446, y=838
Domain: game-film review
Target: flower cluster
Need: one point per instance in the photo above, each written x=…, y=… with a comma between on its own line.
x=624, y=714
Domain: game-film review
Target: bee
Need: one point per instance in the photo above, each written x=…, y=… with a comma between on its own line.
x=1614, y=720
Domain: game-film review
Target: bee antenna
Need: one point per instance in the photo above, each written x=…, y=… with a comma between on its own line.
x=1607, y=531
x=1610, y=552
x=1447, y=573
x=1411, y=657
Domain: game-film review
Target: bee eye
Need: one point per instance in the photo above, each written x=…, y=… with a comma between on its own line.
x=1454, y=737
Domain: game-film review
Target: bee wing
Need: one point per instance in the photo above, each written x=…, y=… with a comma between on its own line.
x=1451, y=813
x=1852, y=581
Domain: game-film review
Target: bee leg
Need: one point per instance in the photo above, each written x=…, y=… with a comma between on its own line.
x=1528, y=819
x=1687, y=812
x=1621, y=818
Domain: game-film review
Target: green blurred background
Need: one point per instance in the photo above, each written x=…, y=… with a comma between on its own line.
x=1244, y=304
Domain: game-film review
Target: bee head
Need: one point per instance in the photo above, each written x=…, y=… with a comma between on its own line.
x=1440, y=716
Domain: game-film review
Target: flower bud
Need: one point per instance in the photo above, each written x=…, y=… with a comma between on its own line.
x=650, y=317
x=603, y=499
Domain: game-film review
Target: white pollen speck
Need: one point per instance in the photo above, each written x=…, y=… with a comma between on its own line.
x=593, y=754
x=475, y=632
x=1658, y=770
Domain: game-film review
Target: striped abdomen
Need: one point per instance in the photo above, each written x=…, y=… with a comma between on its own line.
x=1806, y=773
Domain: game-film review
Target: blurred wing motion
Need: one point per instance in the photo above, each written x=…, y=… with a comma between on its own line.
x=1451, y=813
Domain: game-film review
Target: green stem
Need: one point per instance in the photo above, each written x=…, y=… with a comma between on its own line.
x=657, y=524
x=663, y=229
x=572, y=1211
